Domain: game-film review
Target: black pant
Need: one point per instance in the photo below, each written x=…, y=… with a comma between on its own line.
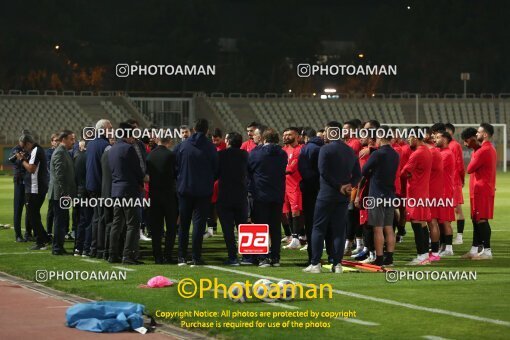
x=329, y=217
x=270, y=213
x=198, y=208
x=34, y=203
x=83, y=233
x=19, y=202
x=230, y=217
x=61, y=225
x=50, y=216
x=212, y=220
x=125, y=219
x=309, y=194
x=161, y=211
x=97, y=228
x=107, y=220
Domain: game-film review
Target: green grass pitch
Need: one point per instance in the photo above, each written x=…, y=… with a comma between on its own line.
x=402, y=310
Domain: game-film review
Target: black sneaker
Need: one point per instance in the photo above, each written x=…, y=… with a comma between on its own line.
x=194, y=263
x=159, y=260
x=85, y=254
x=58, y=252
x=387, y=262
x=231, y=262
x=131, y=261
x=114, y=259
x=265, y=263
x=19, y=239
x=38, y=247
x=181, y=262
x=100, y=255
x=77, y=252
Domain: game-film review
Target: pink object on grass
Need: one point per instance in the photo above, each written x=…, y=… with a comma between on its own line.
x=158, y=282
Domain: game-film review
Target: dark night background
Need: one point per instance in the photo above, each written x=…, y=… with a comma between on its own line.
x=255, y=45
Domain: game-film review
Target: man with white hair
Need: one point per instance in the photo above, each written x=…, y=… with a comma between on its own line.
x=95, y=149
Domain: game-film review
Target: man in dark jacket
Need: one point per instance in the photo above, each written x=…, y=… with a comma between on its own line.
x=266, y=167
x=127, y=182
x=161, y=171
x=339, y=171
x=49, y=215
x=232, y=206
x=308, y=164
x=95, y=149
x=106, y=192
x=84, y=212
x=197, y=164
x=62, y=188
x=19, y=196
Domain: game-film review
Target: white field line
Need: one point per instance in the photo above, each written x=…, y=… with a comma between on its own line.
x=381, y=300
x=124, y=268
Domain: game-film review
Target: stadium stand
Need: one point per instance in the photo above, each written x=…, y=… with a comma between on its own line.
x=44, y=115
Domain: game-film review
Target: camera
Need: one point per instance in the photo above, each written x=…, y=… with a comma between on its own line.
x=13, y=156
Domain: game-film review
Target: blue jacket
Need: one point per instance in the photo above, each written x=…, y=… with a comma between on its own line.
x=338, y=165
x=49, y=153
x=266, y=168
x=95, y=149
x=127, y=175
x=308, y=162
x=197, y=166
x=381, y=168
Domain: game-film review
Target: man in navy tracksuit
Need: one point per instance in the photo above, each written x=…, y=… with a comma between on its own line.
x=266, y=168
x=127, y=182
x=308, y=164
x=93, y=181
x=197, y=168
x=339, y=171
x=232, y=205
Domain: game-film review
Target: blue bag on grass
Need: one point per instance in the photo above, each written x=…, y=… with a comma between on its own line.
x=105, y=316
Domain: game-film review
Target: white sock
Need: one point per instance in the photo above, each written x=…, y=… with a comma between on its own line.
x=448, y=247
x=347, y=244
x=359, y=243
x=473, y=250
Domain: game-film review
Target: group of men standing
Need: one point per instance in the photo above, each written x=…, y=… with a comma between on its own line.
x=314, y=186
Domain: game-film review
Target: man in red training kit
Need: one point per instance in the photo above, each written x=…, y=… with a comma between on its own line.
x=483, y=166
x=446, y=210
x=436, y=191
x=458, y=182
x=250, y=144
x=292, y=205
x=418, y=170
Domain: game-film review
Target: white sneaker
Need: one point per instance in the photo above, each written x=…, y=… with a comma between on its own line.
x=458, y=240
x=287, y=239
x=418, y=262
x=356, y=251
x=337, y=269
x=445, y=253
x=143, y=237
x=207, y=235
x=304, y=248
x=294, y=244
x=313, y=269
x=482, y=256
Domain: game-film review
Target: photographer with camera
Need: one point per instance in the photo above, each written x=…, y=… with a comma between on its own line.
x=33, y=160
x=19, y=196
